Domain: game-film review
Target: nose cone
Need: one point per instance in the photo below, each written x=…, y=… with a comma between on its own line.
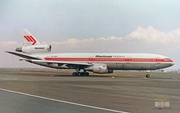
x=172, y=63
x=168, y=62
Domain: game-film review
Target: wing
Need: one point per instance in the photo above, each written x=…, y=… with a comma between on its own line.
x=36, y=60
x=62, y=62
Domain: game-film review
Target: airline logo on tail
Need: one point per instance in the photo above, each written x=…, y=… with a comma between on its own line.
x=30, y=39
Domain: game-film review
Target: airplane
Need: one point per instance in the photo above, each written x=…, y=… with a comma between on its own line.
x=102, y=63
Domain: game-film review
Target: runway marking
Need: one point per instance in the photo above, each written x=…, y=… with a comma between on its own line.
x=62, y=101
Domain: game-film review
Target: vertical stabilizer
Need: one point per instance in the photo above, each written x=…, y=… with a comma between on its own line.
x=28, y=37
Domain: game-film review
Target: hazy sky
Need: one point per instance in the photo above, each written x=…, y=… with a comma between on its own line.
x=151, y=26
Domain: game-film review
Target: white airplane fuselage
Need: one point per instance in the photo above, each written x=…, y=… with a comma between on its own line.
x=114, y=61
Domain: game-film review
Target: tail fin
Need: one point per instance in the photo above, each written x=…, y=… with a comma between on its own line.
x=28, y=37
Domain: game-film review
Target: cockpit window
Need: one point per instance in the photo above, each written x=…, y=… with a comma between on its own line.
x=167, y=59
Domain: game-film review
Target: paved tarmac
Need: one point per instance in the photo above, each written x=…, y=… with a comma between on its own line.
x=15, y=102
x=24, y=91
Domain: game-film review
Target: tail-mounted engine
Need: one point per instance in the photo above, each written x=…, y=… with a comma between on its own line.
x=34, y=49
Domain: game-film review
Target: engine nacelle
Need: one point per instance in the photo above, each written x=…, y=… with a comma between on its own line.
x=102, y=68
x=99, y=68
x=34, y=49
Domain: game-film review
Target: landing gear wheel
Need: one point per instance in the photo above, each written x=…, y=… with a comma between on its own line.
x=80, y=74
x=75, y=74
x=86, y=74
x=147, y=75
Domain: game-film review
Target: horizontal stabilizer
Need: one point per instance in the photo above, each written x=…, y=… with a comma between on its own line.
x=23, y=55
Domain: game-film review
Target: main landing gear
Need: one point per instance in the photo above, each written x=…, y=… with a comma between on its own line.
x=80, y=74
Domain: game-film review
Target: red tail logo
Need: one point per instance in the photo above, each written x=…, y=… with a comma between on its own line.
x=30, y=39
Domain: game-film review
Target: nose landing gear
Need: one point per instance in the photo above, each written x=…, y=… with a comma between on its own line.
x=147, y=75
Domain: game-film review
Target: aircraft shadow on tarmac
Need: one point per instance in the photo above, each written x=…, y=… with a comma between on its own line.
x=64, y=75
x=111, y=76
x=106, y=76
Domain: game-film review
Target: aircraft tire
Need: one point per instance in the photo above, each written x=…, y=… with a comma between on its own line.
x=74, y=73
x=147, y=75
x=86, y=74
x=82, y=73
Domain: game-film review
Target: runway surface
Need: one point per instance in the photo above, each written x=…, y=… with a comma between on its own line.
x=25, y=91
